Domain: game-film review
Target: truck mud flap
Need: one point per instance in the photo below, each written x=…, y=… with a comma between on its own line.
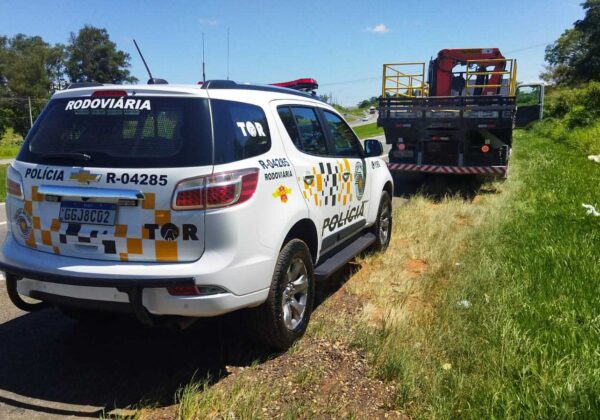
x=437, y=169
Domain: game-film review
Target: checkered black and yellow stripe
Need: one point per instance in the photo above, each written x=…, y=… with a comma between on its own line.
x=121, y=242
x=332, y=183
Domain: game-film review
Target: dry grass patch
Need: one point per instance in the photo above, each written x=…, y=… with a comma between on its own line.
x=349, y=365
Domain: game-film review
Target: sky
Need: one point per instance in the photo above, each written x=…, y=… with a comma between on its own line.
x=341, y=44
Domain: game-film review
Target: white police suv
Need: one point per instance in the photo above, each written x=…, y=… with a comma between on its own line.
x=190, y=201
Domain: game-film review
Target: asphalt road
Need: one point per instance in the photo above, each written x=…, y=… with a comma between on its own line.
x=370, y=118
x=53, y=367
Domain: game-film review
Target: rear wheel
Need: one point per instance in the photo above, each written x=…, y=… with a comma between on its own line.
x=383, y=225
x=283, y=318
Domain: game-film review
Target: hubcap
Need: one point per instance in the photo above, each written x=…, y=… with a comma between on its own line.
x=295, y=294
x=385, y=222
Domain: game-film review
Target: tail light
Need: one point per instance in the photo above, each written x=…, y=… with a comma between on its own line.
x=485, y=148
x=193, y=290
x=108, y=93
x=14, y=183
x=218, y=190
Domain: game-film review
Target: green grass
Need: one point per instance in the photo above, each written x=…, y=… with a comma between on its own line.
x=3, y=182
x=586, y=139
x=9, y=152
x=10, y=143
x=368, y=130
x=528, y=345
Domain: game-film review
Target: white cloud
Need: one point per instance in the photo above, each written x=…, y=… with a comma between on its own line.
x=208, y=22
x=378, y=29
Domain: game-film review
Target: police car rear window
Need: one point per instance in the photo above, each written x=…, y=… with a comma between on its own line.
x=122, y=132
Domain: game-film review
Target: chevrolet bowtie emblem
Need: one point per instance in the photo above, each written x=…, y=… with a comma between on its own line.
x=84, y=177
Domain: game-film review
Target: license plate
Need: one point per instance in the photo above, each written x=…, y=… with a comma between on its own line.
x=82, y=212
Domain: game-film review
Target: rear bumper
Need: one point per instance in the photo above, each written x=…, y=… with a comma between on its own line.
x=438, y=169
x=142, y=287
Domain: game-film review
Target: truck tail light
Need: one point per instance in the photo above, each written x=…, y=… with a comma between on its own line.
x=14, y=184
x=485, y=148
x=218, y=190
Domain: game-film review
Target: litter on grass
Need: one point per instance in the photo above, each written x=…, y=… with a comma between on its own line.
x=591, y=210
x=464, y=303
x=594, y=158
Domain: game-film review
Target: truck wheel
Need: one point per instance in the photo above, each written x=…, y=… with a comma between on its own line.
x=283, y=318
x=383, y=225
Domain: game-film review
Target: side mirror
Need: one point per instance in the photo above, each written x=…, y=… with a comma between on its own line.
x=373, y=148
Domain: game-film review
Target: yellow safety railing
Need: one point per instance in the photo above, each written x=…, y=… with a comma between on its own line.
x=508, y=76
x=404, y=79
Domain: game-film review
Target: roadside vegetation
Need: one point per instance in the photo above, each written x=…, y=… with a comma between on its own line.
x=10, y=143
x=367, y=131
x=484, y=305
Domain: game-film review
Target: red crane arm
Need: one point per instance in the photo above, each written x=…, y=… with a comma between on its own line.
x=447, y=59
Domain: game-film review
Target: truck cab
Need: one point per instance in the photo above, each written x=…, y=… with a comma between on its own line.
x=530, y=103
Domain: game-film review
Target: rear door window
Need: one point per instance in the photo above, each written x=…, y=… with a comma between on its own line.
x=241, y=131
x=305, y=130
x=122, y=132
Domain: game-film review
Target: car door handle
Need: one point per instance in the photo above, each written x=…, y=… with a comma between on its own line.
x=309, y=179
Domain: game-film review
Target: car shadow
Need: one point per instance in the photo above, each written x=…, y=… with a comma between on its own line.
x=437, y=187
x=47, y=358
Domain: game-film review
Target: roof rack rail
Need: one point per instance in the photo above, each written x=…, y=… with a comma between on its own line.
x=219, y=84
x=230, y=84
x=155, y=81
x=76, y=85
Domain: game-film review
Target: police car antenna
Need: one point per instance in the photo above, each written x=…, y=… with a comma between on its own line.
x=203, y=64
x=151, y=81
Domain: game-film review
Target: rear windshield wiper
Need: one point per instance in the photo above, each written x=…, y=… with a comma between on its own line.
x=67, y=155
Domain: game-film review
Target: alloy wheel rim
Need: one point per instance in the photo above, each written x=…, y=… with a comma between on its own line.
x=295, y=294
x=384, y=224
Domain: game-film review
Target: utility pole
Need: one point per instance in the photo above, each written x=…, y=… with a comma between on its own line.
x=30, y=115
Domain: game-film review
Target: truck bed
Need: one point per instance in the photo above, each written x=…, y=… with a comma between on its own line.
x=447, y=131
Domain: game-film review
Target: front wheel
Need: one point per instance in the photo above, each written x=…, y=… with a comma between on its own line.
x=383, y=225
x=283, y=318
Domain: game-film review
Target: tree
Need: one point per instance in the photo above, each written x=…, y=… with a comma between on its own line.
x=92, y=56
x=372, y=101
x=28, y=68
x=575, y=56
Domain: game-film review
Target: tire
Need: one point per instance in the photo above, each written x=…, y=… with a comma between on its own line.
x=383, y=224
x=283, y=318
